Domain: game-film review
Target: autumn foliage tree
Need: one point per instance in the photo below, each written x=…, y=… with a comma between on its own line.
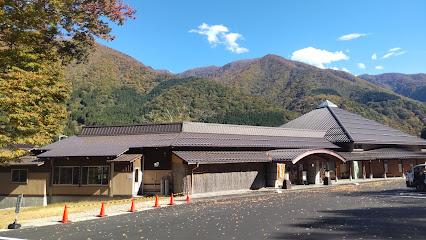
x=37, y=38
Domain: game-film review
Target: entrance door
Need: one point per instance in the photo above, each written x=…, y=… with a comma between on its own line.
x=137, y=180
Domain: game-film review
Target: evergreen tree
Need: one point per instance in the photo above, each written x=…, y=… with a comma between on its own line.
x=423, y=135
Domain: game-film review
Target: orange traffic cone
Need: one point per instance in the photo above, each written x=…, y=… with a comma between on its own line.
x=171, y=200
x=102, y=214
x=132, y=208
x=187, y=196
x=156, y=201
x=65, y=217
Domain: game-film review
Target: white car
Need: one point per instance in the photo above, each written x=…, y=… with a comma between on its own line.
x=416, y=177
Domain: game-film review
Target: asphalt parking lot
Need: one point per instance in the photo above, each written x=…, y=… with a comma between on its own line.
x=375, y=210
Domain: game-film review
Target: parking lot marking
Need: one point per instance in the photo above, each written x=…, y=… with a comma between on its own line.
x=8, y=238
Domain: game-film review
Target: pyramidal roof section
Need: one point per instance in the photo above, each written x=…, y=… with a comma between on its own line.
x=321, y=119
x=327, y=103
x=363, y=130
x=344, y=126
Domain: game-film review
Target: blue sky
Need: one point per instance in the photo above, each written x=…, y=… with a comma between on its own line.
x=180, y=35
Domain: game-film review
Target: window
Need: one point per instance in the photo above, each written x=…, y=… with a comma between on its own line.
x=66, y=175
x=386, y=166
x=137, y=175
x=98, y=175
x=400, y=165
x=19, y=175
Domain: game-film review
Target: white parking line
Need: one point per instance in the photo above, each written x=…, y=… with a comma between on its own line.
x=8, y=238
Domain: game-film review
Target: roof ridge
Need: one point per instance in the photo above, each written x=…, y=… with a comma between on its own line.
x=342, y=126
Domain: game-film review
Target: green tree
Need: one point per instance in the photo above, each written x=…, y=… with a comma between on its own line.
x=32, y=55
x=423, y=135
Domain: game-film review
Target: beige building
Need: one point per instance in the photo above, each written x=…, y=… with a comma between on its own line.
x=106, y=162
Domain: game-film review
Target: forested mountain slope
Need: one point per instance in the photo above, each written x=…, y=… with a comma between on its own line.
x=409, y=85
x=300, y=87
x=113, y=88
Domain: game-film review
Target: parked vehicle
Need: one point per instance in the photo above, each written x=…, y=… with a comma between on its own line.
x=416, y=177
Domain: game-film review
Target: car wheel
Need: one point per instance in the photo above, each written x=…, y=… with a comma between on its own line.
x=421, y=187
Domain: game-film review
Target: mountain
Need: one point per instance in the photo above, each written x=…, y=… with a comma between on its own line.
x=300, y=87
x=409, y=85
x=113, y=88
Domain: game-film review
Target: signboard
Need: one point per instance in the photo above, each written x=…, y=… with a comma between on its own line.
x=280, y=173
x=18, y=203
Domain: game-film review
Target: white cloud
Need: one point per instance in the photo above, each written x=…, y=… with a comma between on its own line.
x=393, y=52
x=361, y=65
x=388, y=55
x=317, y=57
x=218, y=34
x=351, y=36
x=399, y=53
x=230, y=42
x=394, y=49
x=379, y=67
x=335, y=68
x=345, y=70
x=374, y=57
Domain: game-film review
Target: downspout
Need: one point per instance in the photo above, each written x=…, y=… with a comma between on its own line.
x=192, y=177
x=143, y=172
x=51, y=180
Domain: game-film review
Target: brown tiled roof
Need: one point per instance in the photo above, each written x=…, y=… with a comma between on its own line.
x=196, y=127
x=215, y=128
x=131, y=129
x=126, y=158
x=104, y=145
x=28, y=160
x=286, y=154
x=321, y=119
x=246, y=141
x=343, y=126
x=363, y=130
x=214, y=157
x=383, y=154
x=115, y=140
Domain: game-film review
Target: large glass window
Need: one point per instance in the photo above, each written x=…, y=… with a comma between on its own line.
x=19, y=175
x=98, y=175
x=386, y=166
x=66, y=175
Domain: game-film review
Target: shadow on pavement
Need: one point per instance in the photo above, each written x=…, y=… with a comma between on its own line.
x=369, y=223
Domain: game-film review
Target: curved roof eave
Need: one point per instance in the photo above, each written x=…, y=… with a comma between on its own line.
x=317, y=151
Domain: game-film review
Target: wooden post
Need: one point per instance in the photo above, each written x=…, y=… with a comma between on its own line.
x=335, y=173
x=111, y=181
x=384, y=170
x=364, y=172
x=51, y=179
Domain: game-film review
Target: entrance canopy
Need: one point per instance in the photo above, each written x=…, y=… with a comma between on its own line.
x=294, y=155
x=280, y=155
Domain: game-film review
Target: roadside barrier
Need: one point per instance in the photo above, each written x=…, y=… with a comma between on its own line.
x=156, y=201
x=187, y=196
x=132, y=208
x=171, y=200
x=102, y=214
x=123, y=201
x=65, y=216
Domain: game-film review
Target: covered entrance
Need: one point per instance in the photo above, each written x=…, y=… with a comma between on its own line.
x=308, y=166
